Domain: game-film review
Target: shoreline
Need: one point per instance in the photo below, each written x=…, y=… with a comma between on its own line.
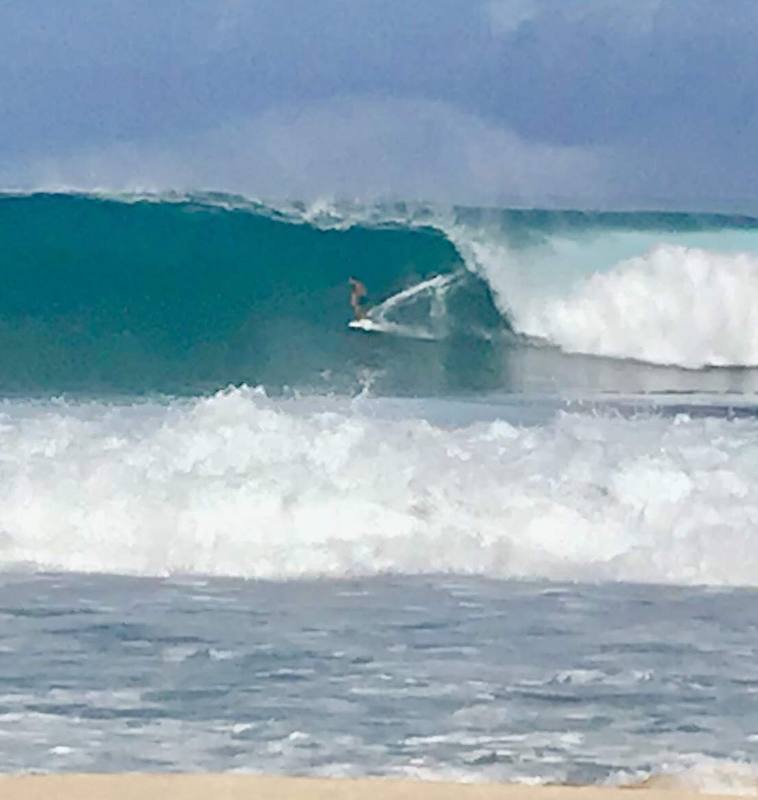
x=201, y=786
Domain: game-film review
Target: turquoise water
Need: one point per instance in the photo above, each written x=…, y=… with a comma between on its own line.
x=102, y=295
x=188, y=295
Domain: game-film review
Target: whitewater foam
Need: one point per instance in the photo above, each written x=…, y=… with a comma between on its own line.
x=670, y=305
x=673, y=306
x=664, y=295
x=699, y=773
x=238, y=484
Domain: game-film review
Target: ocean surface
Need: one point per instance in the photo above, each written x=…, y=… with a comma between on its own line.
x=508, y=533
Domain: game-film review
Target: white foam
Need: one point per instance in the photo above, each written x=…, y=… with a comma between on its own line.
x=238, y=484
x=675, y=305
x=676, y=298
x=699, y=773
x=631, y=295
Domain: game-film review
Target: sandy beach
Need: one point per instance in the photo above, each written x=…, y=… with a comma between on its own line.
x=236, y=787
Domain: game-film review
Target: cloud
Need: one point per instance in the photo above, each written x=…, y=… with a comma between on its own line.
x=620, y=16
x=591, y=102
x=357, y=147
x=507, y=16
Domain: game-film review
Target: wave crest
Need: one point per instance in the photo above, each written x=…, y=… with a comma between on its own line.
x=185, y=293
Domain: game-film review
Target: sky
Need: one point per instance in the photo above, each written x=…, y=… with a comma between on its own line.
x=586, y=103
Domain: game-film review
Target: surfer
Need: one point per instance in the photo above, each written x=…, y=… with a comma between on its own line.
x=358, y=294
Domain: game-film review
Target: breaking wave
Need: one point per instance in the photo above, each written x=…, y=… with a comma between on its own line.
x=674, y=305
x=184, y=295
x=239, y=484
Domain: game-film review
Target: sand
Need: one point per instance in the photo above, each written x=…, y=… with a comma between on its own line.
x=237, y=787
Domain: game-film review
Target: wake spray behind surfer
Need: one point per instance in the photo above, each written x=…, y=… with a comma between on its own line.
x=358, y=294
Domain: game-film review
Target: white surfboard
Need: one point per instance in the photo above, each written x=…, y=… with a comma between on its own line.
x=391, y=328
x=365, y=324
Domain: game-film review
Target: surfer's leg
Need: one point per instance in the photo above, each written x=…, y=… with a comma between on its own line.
x=359, y=310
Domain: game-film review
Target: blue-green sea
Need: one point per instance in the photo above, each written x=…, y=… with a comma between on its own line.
x=186, y=295
x=504, y=531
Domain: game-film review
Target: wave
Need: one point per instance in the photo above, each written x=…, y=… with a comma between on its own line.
x=675, y=305
x=239, y=484
x=177, y=296
x=668, y=289
x=185, y=294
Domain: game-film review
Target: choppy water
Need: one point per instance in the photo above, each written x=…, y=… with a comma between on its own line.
x=432, y=677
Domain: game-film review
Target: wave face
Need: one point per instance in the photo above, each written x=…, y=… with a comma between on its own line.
x=103, y=295
x=185, y=295
x=239, y=484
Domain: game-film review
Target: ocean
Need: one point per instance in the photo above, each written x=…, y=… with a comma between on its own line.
x=508, y=533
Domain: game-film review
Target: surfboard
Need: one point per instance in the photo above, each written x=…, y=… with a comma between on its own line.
x=390, y=328
x=365, y=324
